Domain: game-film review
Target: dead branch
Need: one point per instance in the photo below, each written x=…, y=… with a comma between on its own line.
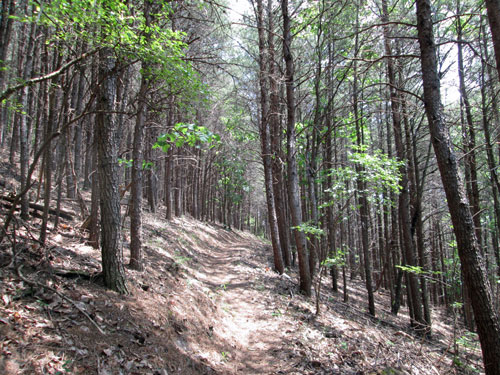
x=38, y=207
x=35, y=283
x=30, y=82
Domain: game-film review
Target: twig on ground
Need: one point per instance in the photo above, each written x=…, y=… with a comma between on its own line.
x=35, y=283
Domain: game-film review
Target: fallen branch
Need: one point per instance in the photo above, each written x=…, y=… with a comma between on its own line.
x=35, y=283
x=29, y=184
x=64, y=214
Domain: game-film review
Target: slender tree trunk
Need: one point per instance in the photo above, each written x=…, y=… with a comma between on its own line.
x=152, y=178
x=293, y=181
x=364, y=210
x=7, y=9
x=137, y=160
x=493, y=9
x=50, y=126
x=168, y=184
x=311, y=166
x=275, y=134
x=136, y=187
x=25, y=123
x=265, y=137
x=79, y=126
x=404, y=197
x=494, y=181
x=472, y=263
x=107, y=148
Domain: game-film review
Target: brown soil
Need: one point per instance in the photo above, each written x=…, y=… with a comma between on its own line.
x=207, y=303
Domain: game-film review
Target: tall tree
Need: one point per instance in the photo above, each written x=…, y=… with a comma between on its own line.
x=493, y=9
x=265, y=136
x=107, y=166
x=276, y=139
x=137, y=161
x=293, y=182
x=407, y=242
x=472, y=263
x=364, y=208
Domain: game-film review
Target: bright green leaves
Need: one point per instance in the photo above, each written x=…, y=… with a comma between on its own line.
x=310, y=230
x=235, y=125
x=186, y=134
x=378, y=170
x=337, y=259
x=121, y=26
x=127, y=163
x=417, y=270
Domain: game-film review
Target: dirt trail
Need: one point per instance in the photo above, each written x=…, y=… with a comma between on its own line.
x=231, y=305
x=262, y=326
x=249, y=322
x=207, y=303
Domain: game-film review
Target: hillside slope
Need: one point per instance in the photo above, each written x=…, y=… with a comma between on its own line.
x=207, y=303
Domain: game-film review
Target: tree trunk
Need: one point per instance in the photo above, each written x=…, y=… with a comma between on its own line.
x=275, y=134
x=493, y=9
x=136, y=187
x=25, y=122
x=364, y=210
x=472, y=263
x=404, y=196
x=293, y=180
x=7, y=10
x=47, y=160
x=494, y=181
x=107, y=148
x=265, y=138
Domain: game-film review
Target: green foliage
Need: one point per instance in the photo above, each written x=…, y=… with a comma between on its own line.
x=457, y=305
x=417, y=270
x=146, y=165
x=232, y=177
x=222, y=287
x=116, y=24
x=67, y=367
x=277, y=313
x=127, y=163
x=310, y=230
x=186, y=134
x=239, y=133
x=468, y=340
x=180, y=259
x=123, y=28
x=337, y=259
x=378, y=170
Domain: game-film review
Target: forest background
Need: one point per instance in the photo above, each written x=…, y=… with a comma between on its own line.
x=320, y=125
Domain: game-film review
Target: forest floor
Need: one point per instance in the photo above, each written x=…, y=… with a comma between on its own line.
x=208, y=302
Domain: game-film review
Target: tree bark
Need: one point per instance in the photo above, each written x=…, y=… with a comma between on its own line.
x=493, y=9
x=25, y=122
x=293, y=181
x=47, y=160
x=107, y=148
x=364, y=209
x=472, y=263
x=408, y=244
x=265, y=138
x=275, y=134
x=137, y=159
x=136, y=187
